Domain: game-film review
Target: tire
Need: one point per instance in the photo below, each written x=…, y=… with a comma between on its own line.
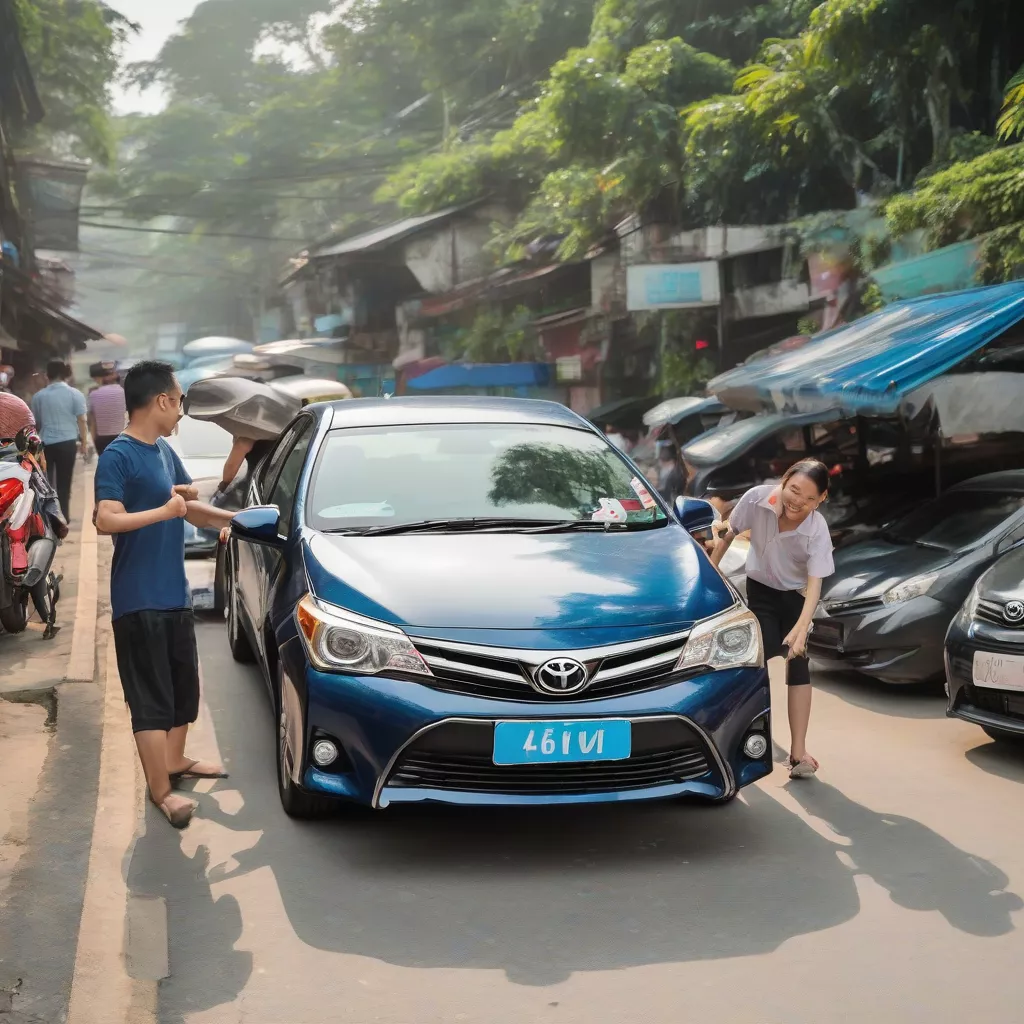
x=1003, y=736
x=241, y=649
x=297, y=803
x=14, y=618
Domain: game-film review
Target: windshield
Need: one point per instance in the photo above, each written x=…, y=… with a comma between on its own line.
x=959, y=519
x=390, y=476
x=197, y=439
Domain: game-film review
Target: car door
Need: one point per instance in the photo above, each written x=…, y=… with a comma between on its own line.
x=248, y=560
x=283, y=492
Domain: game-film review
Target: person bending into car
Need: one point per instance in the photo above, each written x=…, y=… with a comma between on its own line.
x=790, y=554
x=143, y=494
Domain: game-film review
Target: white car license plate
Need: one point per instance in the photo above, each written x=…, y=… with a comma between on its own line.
x=998, y=671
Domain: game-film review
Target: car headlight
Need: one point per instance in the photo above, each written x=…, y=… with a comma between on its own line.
x=917, y=586
x=338, y=641
x=731, y=639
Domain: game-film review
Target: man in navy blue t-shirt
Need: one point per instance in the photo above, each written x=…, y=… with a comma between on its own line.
x=143, y=497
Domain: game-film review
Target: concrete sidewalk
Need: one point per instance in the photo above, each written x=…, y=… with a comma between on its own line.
x=62, y=808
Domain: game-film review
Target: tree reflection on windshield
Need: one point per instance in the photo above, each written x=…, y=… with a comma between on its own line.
x=555, y=474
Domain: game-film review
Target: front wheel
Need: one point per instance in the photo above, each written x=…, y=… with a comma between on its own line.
x=241, y=649
x=1003, y=735
x=14, y=618
x=297, y=803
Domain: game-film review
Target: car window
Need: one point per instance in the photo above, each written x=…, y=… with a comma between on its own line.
x=270, y=466
x=958, y=519
x=287, y=484
x=397, y=475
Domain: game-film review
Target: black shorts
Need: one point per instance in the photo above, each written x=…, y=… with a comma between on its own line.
x=158, y=663
x=777, y=612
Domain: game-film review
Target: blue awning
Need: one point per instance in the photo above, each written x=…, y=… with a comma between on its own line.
x=483, y=375
x=870, y=366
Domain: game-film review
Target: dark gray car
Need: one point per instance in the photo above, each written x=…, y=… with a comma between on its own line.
x=886, y=610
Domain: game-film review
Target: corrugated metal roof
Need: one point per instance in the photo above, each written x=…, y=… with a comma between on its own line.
x=870, y=366
x=382, y=237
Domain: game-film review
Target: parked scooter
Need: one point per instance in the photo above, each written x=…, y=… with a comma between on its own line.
x=31, y=527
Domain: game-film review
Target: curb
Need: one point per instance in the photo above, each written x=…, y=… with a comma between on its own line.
x=82, y=659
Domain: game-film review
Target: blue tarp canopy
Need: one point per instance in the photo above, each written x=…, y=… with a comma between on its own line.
x=870, y=366
x=483, y=375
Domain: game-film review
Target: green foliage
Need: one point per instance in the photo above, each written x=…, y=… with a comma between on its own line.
x=807, y=326
x=964, y=201
x=682, y=374
x=871, y=299
x=494, y=337
x=72, y=49
x=1011, y=120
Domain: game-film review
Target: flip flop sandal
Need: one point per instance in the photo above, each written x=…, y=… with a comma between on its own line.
x=804, y=769
x=191, y=773
x=179, y=819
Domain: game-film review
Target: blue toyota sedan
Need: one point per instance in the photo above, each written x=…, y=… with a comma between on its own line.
x=480, y=601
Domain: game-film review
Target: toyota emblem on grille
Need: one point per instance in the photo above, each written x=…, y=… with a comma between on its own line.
x=561, y=676
x=1014, y=611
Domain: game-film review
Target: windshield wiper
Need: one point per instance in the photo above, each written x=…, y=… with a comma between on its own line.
x=455, y=526
x=589, y=526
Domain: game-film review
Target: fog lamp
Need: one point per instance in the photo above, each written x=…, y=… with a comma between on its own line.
x=755, y=746
x=325, y=753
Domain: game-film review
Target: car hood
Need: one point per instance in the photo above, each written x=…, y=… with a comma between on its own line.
x=656, y=578
x=1005, y=580
x=872, y=567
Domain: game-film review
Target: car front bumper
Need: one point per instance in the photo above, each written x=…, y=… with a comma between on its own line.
x=996, y=709
x=900, y=643
x=405, y=742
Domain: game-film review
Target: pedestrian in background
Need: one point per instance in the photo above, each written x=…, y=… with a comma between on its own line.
x=60, y=414
x=106, y=406
x=143, y=497
x=790, y=554
x=617, y=439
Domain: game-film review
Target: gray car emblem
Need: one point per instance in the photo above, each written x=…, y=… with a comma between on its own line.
x=1014, y=611
x=561, y=676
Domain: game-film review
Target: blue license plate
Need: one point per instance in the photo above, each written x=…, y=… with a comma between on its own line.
x=561, y=742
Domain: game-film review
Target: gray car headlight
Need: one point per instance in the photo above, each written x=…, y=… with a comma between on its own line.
x=731, y=639
x=339, y=641
x=916, y=586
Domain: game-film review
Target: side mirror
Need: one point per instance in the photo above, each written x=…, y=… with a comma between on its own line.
x=258, y=525
x=695, y=514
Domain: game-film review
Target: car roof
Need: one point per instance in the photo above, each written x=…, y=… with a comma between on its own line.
x=1011, y=480
x=387, y=412
x=723, y=444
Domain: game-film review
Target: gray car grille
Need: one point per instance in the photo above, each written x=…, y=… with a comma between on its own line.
x=994, y=612
x=504, y=674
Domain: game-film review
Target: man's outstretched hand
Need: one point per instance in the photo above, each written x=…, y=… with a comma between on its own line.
x=188, y=491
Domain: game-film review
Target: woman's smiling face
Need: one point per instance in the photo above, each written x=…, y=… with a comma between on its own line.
x=800, y=496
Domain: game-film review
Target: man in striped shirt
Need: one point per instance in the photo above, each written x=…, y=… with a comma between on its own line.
x=106, y=406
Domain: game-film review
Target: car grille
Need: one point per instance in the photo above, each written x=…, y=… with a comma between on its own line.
x=855, y=606
x=992, y=612
x=1009, y=704
x=456, y=757
x=502, y=675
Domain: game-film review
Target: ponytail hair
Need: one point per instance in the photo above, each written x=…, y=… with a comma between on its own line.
x=815, y=471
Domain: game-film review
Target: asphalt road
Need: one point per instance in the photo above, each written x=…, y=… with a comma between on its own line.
x=885, y=890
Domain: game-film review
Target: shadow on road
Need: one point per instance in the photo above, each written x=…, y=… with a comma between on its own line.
x=543, y=894
x=1003, y=759
x=920, y=869
x=206, y=969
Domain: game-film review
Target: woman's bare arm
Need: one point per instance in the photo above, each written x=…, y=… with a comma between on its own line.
x=796, y=641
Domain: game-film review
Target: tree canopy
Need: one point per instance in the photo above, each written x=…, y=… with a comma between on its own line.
x=290, y=121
